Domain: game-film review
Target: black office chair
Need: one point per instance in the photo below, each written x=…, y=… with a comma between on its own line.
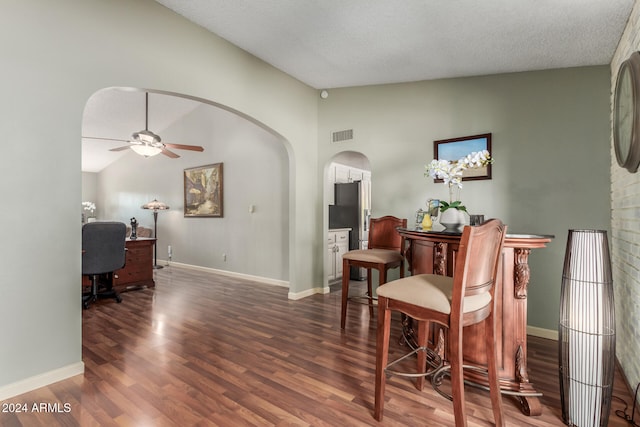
x=103, y=251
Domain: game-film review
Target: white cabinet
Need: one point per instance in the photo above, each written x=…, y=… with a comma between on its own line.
x=337, y=245
x=355, y=174
x=342, y=173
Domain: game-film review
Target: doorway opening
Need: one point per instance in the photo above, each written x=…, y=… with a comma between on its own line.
x=348, y=196
x=250, y=237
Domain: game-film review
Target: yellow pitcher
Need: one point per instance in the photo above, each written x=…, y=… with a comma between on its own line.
x=426, y=221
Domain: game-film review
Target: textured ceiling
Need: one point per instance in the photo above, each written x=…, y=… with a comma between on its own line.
x=339, y=43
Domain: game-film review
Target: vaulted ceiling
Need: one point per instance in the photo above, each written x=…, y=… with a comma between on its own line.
x=339, y=43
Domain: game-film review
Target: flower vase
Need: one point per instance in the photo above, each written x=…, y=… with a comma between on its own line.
x=91, y=219
x=452, y=219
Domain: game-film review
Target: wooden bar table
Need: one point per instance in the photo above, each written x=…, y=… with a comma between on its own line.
x=435, y=252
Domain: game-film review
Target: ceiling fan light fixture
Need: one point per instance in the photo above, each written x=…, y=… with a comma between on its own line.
x=147, y=143
x=147, y=137
x=146, y=150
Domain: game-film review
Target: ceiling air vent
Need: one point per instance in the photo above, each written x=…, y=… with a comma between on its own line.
x=342, y=136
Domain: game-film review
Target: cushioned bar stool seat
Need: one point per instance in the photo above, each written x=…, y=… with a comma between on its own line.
x=432, y=291
x=378, y=256
x=453, y=302
x=384, y=252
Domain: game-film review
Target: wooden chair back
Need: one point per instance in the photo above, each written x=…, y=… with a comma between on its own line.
x=383, y=233
x=477, y=265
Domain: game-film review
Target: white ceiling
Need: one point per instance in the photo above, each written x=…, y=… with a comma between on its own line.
x=117, y=113
x=339, y=43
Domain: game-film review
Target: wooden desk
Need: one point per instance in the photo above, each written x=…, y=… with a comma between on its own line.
x=138, y=269
x=435, y=252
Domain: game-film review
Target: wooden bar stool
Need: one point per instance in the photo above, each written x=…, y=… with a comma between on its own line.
x=384, y=252
x=465, y=299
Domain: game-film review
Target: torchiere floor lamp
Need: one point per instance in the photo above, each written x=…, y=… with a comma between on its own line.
x=156, y=206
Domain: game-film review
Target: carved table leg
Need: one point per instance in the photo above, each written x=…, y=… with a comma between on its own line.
x=440, y=259
x=530, y=405
x=521, y=273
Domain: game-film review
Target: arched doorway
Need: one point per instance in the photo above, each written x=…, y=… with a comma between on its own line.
x=252, y=236
x=348, y=196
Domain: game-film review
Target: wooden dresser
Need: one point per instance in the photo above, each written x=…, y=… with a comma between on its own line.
x=138, y=269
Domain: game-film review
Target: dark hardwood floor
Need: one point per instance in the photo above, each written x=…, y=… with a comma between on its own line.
x=210, y=350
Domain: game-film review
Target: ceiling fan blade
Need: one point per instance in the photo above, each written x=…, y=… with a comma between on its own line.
x=148, y=139
x=120, y=148
x=105, y=139
x=185, y=147
x=169, y=153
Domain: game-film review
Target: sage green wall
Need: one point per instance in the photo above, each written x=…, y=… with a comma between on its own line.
x=550, y=133
x=255, y=172
x=55, y=55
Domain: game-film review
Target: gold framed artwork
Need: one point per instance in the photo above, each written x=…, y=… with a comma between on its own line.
x=203, y=191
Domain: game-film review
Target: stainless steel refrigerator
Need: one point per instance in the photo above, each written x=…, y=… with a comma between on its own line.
x=352, y=209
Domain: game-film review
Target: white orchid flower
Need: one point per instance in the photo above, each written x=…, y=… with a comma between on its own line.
x=451, y=172
x=89, y=206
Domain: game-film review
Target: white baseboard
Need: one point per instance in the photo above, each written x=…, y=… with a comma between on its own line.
x=260, y=279
x=308, y=292
x=542, y=333
x=41, y=380
x=269, y=281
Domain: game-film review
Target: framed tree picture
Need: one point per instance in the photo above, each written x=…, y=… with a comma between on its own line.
x=456, y=148
x=203, y=191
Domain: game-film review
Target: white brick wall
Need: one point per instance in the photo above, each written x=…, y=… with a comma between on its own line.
x=625, y=231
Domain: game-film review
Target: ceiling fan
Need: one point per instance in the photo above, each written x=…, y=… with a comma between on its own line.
x=147, y=143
